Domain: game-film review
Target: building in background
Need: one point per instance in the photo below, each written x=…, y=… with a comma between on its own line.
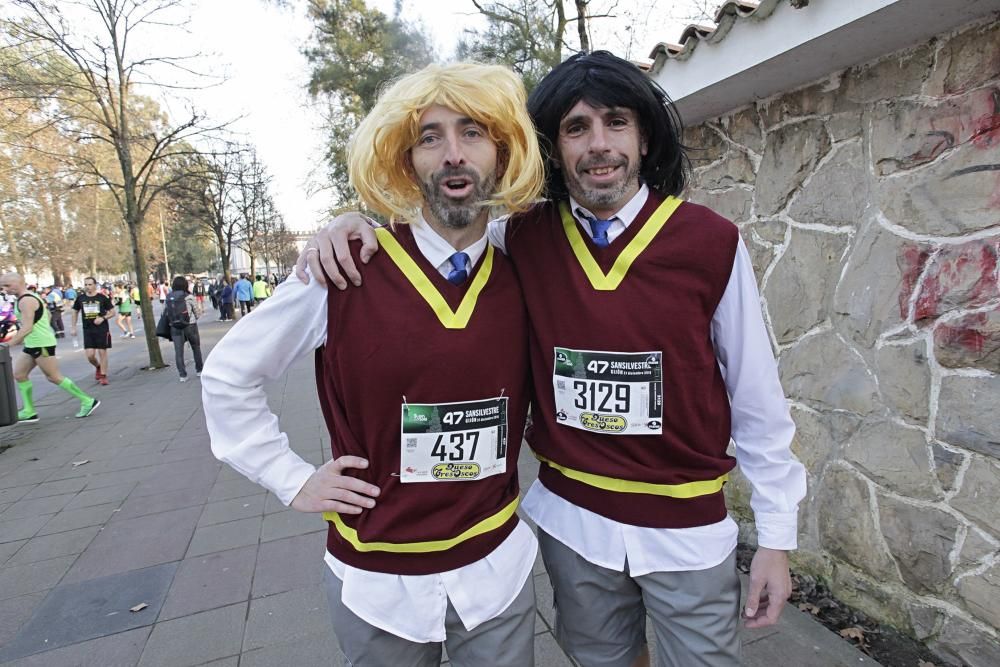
x=278, y=264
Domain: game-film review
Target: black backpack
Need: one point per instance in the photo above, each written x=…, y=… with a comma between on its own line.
x=176, y=311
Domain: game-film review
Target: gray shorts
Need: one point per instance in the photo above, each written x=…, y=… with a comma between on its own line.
x=601, y=613
x=505, y=641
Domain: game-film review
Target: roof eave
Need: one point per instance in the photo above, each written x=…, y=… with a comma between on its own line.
x=793, y=47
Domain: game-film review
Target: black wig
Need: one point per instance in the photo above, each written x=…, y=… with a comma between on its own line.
x=602, y=79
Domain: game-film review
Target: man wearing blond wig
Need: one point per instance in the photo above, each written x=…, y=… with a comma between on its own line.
x=423, y=382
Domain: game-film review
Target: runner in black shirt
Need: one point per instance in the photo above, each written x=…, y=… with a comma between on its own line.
x=96, y=309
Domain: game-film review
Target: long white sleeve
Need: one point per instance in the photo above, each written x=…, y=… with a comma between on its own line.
x=762, y=427
x=262, y=346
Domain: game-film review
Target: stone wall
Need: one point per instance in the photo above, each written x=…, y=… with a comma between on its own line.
x=870, y=203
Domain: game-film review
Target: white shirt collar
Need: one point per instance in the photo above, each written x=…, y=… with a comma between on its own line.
x=438, y=251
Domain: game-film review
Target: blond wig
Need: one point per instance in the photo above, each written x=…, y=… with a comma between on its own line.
x=493, y=96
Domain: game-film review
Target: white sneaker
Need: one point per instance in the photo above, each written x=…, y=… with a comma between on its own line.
x=184, y=378
x=198, y=373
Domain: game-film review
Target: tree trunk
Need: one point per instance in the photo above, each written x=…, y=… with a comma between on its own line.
x=581, y=25
x=223, y=254
x=145, y=305
x=15, y=253
x=560, y=29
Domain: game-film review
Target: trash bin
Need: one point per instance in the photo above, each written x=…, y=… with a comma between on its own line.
x=8, y=392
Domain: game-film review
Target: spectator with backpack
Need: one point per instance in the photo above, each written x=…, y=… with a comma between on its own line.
x=181, y=311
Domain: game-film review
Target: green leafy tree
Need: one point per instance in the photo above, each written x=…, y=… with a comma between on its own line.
x=354, y=51
x=189, y=249
x=98, y=233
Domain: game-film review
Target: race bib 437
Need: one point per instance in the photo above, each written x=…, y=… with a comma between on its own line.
x=453, y=442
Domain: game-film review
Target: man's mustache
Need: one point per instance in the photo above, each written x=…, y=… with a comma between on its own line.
x=455, y=172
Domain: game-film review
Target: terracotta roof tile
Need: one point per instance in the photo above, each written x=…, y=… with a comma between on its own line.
x=725, y=17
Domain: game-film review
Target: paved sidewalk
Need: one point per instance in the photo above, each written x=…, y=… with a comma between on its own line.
x=229, y=576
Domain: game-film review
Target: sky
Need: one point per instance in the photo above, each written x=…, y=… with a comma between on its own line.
x=256, y=46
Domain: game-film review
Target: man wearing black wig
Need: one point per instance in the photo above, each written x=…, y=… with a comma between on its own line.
x=649, y=353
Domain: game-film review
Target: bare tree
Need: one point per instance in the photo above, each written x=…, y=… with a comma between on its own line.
x=530, y=36
x=205, y=193
x=285, y=251
x=250, y=194
x=696, y=11
x=271, y=226
x=84, y=82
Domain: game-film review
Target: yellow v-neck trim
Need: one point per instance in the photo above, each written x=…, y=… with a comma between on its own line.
x=612, y=279
x=450, y=319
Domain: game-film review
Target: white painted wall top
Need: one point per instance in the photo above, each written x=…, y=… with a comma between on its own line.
x=760, y=57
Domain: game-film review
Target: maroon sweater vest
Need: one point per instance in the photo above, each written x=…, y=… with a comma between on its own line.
x=384, y=343
x=665, y=303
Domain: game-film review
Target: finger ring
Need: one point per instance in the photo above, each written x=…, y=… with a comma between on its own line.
x=308, y=250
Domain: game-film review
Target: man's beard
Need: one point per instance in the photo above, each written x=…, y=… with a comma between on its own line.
x=452, y=213
x=601, y=197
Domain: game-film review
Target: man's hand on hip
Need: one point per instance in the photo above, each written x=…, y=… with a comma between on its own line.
x=330, y=490
x=770, y=586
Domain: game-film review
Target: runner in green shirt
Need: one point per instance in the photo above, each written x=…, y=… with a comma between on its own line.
x=39, y=350
x=136, y=295
x=261, y=290
x=123, y=300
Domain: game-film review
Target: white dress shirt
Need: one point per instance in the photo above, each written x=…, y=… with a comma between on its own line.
x=762, y=431
x=245, y=434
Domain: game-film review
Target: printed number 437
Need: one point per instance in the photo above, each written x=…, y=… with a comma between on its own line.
x=456, y=444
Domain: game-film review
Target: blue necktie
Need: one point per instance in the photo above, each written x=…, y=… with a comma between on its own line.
x=600, y=228
x=460, y=273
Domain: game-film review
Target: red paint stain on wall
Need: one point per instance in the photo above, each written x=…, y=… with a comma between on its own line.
x=966, y=333
x=986, y=128
x=910, y=260
x=960, y=276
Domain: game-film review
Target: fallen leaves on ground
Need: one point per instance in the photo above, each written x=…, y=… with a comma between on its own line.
x=853, y=632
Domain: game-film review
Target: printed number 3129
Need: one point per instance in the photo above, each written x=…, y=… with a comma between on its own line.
x=595, y=396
